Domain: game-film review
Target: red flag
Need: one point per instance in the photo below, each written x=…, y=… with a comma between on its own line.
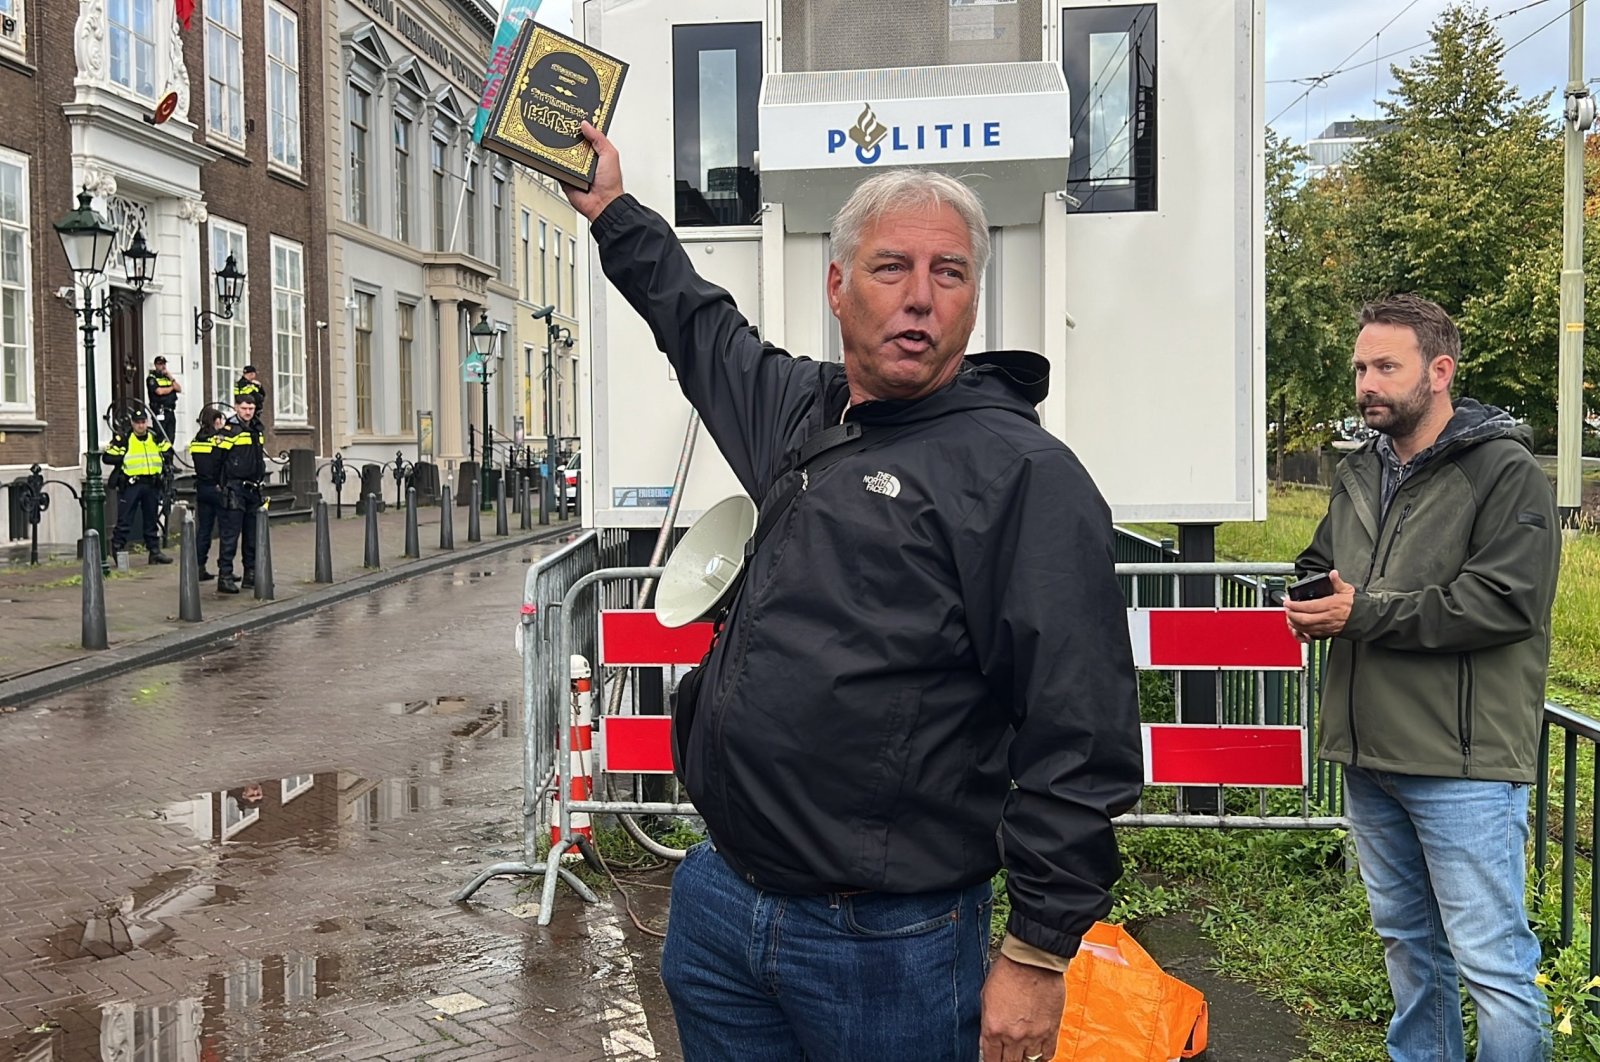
x=185, y=12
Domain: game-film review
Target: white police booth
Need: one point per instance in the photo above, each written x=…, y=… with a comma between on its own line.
x=1117, y=148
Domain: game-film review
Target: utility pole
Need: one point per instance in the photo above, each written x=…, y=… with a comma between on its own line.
x=1579, y=114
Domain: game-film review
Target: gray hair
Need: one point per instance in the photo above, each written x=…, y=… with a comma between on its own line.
x=898, y=190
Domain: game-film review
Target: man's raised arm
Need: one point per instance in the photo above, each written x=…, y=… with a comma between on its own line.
x=750, y=394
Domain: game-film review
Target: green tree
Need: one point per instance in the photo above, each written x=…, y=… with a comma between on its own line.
x=1460, y=201
x=1307, y=314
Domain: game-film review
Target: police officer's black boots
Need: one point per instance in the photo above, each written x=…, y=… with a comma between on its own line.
x=249, y=577
x=157, y=557
x=227, y=584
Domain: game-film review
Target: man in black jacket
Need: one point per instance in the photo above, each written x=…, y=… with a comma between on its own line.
x=162, y=390
x=925, y=676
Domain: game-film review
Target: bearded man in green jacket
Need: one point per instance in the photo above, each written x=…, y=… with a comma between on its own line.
x=1443, y=544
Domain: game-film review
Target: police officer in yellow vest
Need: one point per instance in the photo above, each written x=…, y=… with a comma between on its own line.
x=139, y=457
x=242, y=476
x=249, y=385
x=162, y=389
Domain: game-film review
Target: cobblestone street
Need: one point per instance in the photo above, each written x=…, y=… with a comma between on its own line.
x=251, y=854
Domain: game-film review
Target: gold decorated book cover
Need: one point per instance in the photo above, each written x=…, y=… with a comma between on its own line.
x=554, y=84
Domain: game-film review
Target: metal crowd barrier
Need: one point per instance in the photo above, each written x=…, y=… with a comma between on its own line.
x=546, y=590
x=1253, y=701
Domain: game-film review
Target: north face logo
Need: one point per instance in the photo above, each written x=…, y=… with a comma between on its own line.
x=882, y=483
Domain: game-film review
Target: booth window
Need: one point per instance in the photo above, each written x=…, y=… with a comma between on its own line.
x=1109, y=57
x=716, y=81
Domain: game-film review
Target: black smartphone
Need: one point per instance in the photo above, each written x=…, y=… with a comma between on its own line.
x=1312, y=588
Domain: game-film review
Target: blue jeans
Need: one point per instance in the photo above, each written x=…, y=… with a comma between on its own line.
x=1445, y=863
x=767, y=977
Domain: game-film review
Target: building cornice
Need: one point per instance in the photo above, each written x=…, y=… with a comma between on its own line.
x=107, y=112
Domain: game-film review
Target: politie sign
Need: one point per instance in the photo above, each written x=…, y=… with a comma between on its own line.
x=1008, y=121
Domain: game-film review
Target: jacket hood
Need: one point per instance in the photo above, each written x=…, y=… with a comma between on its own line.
x=1475, y=422
x=1471, y=424
x=1013, y=380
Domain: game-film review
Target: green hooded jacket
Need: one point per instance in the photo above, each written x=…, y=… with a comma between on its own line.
x=1440, y=669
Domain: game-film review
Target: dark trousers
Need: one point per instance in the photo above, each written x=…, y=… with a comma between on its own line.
x=238, y=521
x=168, y=419
x=208, y=502
x=145, y=499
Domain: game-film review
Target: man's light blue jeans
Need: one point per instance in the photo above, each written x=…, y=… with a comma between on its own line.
x=765, y=977
x=1445, y=863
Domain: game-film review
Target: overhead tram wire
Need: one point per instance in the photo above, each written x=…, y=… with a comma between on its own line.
x=1339, y=67
x=1317, y=80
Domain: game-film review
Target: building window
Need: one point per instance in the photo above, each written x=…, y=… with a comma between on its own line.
x=497, y=219
x=544, y=279
x=572, y=277
x=438, y=196
x=132, y=28
x=359, y=104
x=404, y=334
x=527, y=257
x=16, y=367
x=472, y=208
x=363, y=367
x=716, y=79
x=558, y=271
x=13, y=24
x=402, y=179
x=283, y=87
x=1109, y=57
x=288, y=331
x=224, y=69
x=230, y=338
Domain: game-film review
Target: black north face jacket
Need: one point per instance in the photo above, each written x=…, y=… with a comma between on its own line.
x=935, y=617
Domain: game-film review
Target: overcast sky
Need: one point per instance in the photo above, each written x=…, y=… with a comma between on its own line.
x=1306, y=38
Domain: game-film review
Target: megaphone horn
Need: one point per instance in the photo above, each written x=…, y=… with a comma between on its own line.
x=706, y=563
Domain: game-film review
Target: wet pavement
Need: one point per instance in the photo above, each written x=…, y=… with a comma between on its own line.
x=250, y=854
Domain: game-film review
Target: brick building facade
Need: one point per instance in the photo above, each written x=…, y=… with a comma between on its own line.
x=237, y=165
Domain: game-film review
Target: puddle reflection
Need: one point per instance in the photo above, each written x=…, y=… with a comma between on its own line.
x=235, y=1011
x=141, y=920
x=309, y=809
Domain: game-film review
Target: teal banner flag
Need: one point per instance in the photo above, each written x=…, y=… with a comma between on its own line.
x=516, y=12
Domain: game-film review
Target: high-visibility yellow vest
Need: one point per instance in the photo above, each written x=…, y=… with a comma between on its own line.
x=142, y=457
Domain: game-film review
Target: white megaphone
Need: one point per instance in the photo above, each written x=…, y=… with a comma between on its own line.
x=705, y=563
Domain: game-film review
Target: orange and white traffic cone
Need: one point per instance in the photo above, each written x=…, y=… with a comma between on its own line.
x=579, y=783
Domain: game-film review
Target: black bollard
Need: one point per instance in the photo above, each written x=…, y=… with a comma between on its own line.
x=94, y=594
x=474, y=524
x=501, y=528
x=265, y=590
x=370, y=559
x=413, y=546
x=324, y=561
x=524, y=503
x=544, y=498
x=447, y=523
x=189, y=574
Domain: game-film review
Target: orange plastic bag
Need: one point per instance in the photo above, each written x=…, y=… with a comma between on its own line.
x=1122, y=1007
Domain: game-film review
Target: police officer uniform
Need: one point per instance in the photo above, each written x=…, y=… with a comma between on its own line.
x=139, y=458
x=242, y=474
x=245, y=387
x=207, y=461
x=162, y=391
